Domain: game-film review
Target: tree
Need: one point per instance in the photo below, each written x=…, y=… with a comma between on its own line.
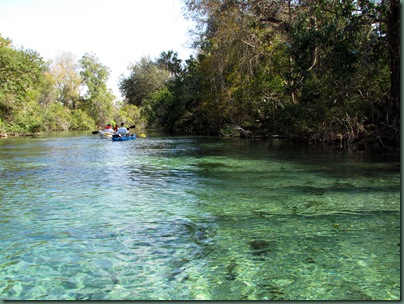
x=146, y=78
x=310, y=69
x=240, y=56
x=20, y=70
x=22, y=79
x=98, y=99
x=169, y=60
x=67, y=80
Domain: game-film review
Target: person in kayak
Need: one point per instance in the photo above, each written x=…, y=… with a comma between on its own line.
x=122, y=131
x=108, y=129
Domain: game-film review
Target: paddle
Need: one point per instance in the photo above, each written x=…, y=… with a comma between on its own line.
x=131, y=127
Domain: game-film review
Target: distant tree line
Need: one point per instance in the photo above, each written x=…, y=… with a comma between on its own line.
x=64, y=94
x=316, y=70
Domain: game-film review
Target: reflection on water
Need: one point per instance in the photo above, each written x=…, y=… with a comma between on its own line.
x=195, y=218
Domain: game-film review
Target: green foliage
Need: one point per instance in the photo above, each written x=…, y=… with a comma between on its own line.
x=130, y=115
x=22, y=80
x=146, y=78
x=165, y=111
x=28, y=118
x=20, y=71
x=170, y=62
x=176, y=106
x=98, y=99
x=3, y=127
x=80, y=120
x=94, y=74
x=37, y=97
x=21, y=76
x=56, y=117
x=316, y=70
x=335, y=72
x=66, y=80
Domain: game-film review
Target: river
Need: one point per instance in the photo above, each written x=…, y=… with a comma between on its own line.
x=189, y=218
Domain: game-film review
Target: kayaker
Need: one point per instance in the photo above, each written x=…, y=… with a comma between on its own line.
x=108, y=129
x=122, y=130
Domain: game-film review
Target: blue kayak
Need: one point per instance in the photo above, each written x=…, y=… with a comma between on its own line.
x=122, y=138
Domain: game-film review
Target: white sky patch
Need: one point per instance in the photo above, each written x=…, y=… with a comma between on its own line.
x=118, y=32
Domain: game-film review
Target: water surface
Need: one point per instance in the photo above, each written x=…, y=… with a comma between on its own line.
x=187, y=218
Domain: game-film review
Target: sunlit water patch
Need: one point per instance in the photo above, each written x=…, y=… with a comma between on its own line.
x=195, y=218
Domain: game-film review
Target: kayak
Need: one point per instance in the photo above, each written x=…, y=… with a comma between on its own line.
x=106, y=135
x=123, y=138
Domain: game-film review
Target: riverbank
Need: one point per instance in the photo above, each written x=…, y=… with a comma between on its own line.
x=375, y=144
x=7, y=135
x=370, y=142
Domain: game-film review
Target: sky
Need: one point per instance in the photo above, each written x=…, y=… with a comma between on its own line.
x=118, y=32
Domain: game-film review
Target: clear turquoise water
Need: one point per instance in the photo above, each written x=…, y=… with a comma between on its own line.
x=189, y=218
